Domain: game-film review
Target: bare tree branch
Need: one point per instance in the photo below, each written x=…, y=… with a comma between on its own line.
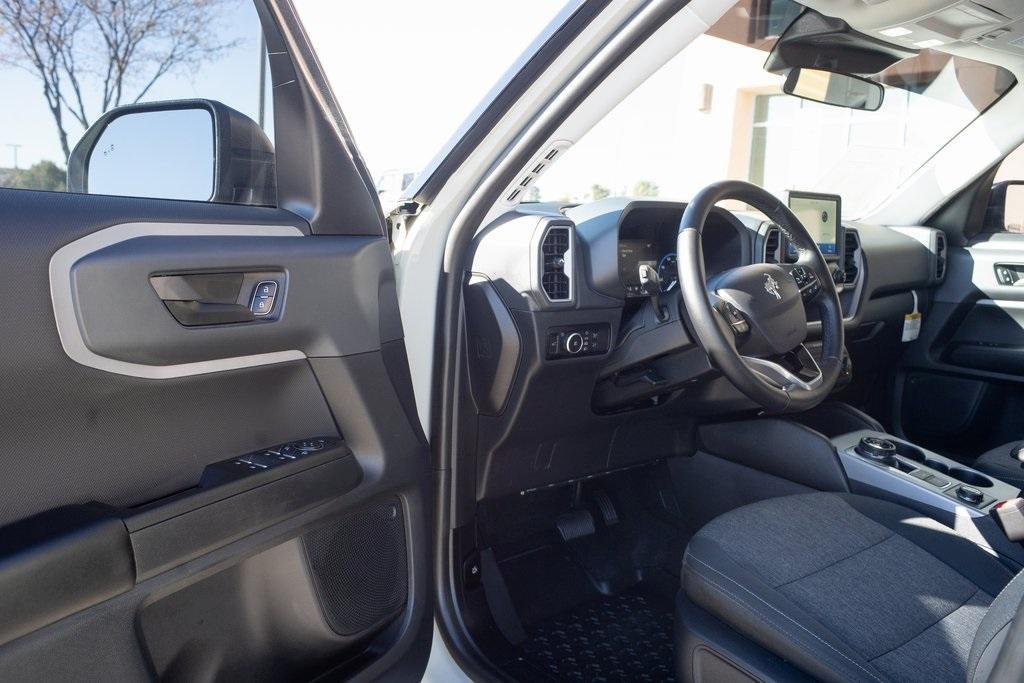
x=122, y=47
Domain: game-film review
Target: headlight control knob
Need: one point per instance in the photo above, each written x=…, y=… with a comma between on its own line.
x=574, y=343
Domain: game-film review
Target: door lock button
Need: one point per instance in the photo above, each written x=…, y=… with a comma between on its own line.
x=263, y=298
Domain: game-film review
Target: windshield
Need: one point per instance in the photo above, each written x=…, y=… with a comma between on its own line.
x=713, y=112
x=406, y=94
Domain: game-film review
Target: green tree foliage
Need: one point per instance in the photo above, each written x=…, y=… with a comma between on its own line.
x=599, y=191
x=44, y=175
x=645, y=188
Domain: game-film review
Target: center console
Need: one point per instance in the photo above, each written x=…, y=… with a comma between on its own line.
x=984, y=510
x=878, y=462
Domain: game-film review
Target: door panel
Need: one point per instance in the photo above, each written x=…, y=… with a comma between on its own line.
x=964, y=388
x=140, y=533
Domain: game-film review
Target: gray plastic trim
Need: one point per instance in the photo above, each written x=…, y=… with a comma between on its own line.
x=65, y=311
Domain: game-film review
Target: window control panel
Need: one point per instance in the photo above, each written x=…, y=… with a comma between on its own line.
x=266, y=459
x=1010, y=274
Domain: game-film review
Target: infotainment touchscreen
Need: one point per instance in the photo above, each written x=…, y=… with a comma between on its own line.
x=821, y=215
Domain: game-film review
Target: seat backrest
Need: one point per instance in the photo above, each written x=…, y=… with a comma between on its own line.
x=997, y=653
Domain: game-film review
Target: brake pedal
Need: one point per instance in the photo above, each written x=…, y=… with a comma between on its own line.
x=575, y=524
x=607, y=509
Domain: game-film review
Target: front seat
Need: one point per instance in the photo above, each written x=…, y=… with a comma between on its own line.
x=1005, y=462
x=842, y=588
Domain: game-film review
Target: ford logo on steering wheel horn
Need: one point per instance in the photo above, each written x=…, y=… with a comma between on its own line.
x=771, y=285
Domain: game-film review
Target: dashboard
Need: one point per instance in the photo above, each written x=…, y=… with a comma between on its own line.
x=568, y=363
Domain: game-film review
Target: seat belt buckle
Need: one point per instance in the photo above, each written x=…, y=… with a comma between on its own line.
x=1011, y=517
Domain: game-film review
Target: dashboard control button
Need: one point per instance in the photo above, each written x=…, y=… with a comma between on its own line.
x=309, y=445
x=877, y=449
x=969, y=495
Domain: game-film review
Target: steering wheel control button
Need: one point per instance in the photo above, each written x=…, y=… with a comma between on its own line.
x=877, y=449
x=263, y=298
x=969, y=495
x=573, y=342
x=807, y=281
x=733, y=316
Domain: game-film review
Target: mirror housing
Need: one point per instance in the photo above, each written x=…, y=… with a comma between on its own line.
x=1005, y=210
x=837, y=89
x=815, y=41
x=160, y=138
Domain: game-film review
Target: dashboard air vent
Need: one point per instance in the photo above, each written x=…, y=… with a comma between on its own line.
x=851, y=244
x=556, y=263
x=940, y=255
x=771, y=245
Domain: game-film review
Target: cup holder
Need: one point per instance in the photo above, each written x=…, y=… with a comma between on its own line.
x=970, y=477
x=938, y=466
x=909, y=452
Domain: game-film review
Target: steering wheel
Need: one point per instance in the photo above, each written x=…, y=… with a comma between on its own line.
x=751, y=320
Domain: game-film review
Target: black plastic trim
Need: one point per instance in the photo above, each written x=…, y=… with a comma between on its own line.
x=60, y=562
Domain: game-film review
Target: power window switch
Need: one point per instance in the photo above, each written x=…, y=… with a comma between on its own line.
x=264, y=460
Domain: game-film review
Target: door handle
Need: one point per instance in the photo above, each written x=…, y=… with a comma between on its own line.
x=204, y=298
x=192, y=313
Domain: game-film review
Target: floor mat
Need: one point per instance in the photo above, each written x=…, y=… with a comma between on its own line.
x=622, y=638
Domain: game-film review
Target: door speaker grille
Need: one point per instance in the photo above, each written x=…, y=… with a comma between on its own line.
x=360, y=568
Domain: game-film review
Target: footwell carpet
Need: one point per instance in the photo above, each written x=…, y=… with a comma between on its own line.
x=620, y=638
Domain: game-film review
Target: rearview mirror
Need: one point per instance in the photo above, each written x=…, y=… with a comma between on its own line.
x=829, y=87
x=197, y=150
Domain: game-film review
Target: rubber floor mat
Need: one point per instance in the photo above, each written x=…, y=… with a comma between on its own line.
x=621, y=638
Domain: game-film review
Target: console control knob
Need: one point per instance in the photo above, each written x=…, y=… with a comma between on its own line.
x=574, y=342
x=970, y=495
x=877, y=448
x=1018, y=454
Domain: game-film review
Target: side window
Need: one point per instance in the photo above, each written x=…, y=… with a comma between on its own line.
x=1006, y=208
x=135, y=98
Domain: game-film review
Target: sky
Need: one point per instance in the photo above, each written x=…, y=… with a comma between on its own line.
x=424, y=66
x=407, y=73
x=383, y=59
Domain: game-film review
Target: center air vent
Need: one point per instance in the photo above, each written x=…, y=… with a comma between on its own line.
x=851, y=244
x=556, y=263
x=940, y=255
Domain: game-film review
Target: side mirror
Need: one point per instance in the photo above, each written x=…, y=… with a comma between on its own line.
x=1006, y=207
x=829, y=87
x=198, y=150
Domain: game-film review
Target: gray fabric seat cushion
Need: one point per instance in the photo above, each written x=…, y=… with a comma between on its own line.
x=845, y=587
x=1000, y=463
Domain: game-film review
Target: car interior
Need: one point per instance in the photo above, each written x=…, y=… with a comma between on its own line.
x=748, y=438
x=260, y=430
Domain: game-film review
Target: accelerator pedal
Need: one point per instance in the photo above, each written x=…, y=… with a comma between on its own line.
x=605, y=506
